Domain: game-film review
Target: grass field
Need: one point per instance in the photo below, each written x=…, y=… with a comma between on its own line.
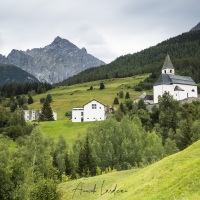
x=65, y=128
x=67, y=97
x=176, y=177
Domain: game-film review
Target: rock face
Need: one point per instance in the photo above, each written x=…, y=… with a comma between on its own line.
x=196, y=28
x=53, y=63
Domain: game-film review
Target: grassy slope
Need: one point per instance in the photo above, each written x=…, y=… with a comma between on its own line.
x=174, y=177
x=65, y=98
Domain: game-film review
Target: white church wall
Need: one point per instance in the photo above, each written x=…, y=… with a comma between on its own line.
x=159, y=90
x=189, y=91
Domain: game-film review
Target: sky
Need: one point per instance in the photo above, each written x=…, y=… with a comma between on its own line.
x=106, y=28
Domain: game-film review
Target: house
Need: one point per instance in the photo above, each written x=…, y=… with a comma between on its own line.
x=148, y=99
x=91, y=111
x=33, y=115
x=180, y=87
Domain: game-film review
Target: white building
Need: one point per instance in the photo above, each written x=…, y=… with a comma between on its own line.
x=180, y=87
x=33, y=115
x=92, y=111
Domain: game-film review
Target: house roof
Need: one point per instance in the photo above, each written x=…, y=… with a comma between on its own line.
x=168, y=63
x=91, y=101
x=167, y=79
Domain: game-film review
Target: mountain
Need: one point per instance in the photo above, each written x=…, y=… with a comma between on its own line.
x=53, y=63
x=184, y=50
x=174, y=177
x=13, y=74
x=196, y=28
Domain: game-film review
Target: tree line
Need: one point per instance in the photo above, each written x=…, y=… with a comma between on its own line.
x=185, y=49
x=13, y=89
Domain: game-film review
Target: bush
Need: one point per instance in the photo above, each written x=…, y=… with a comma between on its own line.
x=116, y=101
x=68, y=113
x=42, y=100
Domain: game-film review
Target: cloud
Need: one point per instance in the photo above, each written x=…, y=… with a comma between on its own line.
x=106, y=28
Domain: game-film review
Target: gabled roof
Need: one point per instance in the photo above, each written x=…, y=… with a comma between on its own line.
x=168, y=63
x=167, y=79
x=91, y=101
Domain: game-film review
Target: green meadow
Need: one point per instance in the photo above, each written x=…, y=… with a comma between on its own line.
x=67, y=97
x=176, y=177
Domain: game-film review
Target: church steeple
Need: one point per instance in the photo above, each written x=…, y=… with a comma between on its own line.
x=168, y=67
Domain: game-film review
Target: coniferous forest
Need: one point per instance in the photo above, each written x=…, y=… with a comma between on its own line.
x=184, y=51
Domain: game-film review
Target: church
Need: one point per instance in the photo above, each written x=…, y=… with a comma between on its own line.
x=180, y=87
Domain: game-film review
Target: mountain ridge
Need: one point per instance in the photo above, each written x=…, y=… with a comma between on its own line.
x=196, y=28
x=13, y=74
x=54, y=62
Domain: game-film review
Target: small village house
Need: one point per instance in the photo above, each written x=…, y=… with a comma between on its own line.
x=33, y=115
x=91, y=111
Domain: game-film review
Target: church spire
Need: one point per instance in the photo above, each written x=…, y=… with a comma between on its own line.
x=168, y=67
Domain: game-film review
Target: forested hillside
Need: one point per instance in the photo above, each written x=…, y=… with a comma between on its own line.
x=13, y=74
x=184, y=51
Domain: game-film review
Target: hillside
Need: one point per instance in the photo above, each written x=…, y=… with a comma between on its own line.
x=13, y=74
x=174, y=177
x=67, y=97
x=54, y=62
x=184, y=51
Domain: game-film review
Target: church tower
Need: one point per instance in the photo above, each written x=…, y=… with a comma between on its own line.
x=168, y=67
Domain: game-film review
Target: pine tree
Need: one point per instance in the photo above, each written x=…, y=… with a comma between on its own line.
x=127, y=95
x=49, y=98
x=116, y=101
x=47, y=113
x=86, y=164
x=121, y=94
x=68, y=164
x=30, y=100
x=102, y=86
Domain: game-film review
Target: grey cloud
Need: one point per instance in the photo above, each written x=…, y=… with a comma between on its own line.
x=106, y=28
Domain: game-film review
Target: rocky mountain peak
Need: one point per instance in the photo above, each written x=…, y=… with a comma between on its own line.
x=54, y=62
x=196, y=28
x=62, y=43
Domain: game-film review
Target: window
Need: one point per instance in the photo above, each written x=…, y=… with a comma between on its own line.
x=94, y=106
x=193, y=90
x=81, y=113
x=165, y=71
x=99, y=107
x=170, y=71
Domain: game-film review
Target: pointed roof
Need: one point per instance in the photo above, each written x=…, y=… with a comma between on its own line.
x=168, y=63
x=168, y=79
